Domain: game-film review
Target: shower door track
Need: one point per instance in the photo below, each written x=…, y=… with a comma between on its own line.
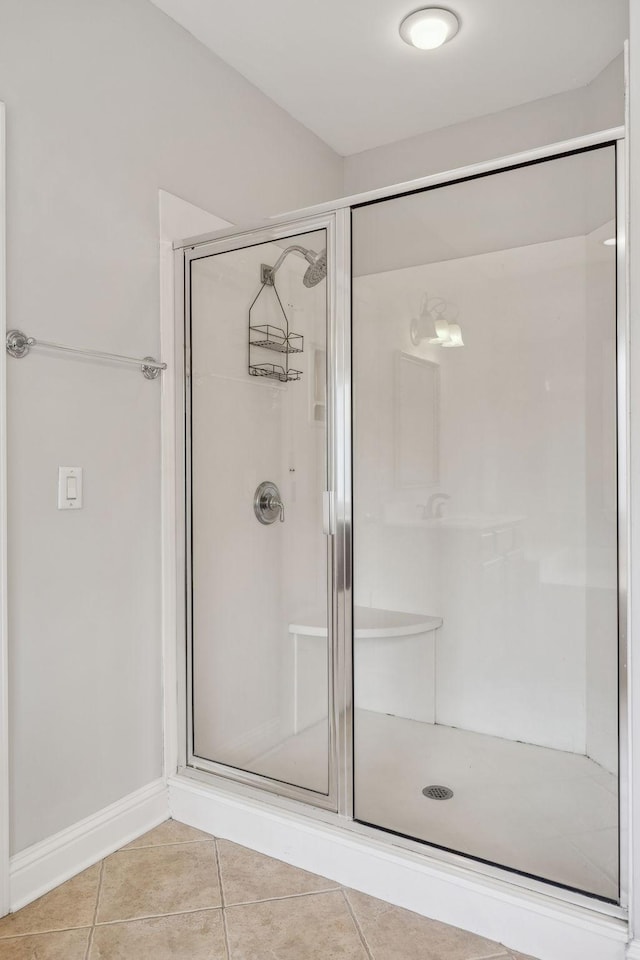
x=338, y=809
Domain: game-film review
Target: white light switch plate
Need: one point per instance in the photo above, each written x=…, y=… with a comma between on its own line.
x=69, y=488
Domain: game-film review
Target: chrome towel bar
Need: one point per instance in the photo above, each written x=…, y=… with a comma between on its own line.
x=18, y=345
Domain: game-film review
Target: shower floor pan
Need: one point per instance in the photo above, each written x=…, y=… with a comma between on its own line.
x=544, y=812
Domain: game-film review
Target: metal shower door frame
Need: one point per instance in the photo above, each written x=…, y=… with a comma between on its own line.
x=339, y=397
x=614, y=138
x=338, y=447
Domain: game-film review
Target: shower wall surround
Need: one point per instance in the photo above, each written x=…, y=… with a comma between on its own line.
x=529, y=315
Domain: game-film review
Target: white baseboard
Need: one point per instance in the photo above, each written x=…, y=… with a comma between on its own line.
x=633, y=950
x=43, y=866
x=530, y=922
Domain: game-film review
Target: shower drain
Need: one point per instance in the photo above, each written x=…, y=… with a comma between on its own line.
x=437, y=792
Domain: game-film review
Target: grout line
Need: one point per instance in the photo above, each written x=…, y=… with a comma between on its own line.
x=95, y=913
x=504, y=955
x=356, y=923
x=224, y=914
x=171, y=843
x=495, y=956
x=289, y=896
x=155, y=916
x=40, y=933
x=215, y=844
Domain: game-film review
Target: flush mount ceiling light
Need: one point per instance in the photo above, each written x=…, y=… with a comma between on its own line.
x=429, y=27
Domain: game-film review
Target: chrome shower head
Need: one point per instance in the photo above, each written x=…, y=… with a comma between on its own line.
x=317, y=269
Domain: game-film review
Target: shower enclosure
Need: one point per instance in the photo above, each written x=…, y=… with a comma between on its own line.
x=405, y=492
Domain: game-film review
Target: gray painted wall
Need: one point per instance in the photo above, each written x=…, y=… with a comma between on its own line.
x=106, y=103
x=571, y=114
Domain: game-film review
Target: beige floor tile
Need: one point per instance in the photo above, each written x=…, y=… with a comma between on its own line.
x=66, y=945
x=519, y=956
x=196, y=936
x=70, y=905
x=171, y=831
x=153, y=881
x=315, y=927
x=247, y=875
x=395, y=934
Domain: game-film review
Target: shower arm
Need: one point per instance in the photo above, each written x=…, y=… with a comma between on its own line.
x=268, y=273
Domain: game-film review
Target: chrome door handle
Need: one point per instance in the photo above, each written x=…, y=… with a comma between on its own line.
x=328, y=513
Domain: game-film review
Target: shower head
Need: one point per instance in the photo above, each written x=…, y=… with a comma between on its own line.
x=316, y=271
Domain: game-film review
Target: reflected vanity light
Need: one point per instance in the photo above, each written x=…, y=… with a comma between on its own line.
x=453, y=337
x=432, y=320
x=609, y=242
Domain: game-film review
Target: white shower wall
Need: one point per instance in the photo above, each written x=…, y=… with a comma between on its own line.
x=526, y=443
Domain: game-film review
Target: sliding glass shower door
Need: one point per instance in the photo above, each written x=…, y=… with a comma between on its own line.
x=259, y=629
x=485, y=518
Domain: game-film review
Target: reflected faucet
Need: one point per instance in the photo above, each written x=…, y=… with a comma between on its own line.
x=433, y=509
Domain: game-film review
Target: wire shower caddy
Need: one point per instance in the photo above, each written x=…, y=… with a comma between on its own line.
x=280, y=340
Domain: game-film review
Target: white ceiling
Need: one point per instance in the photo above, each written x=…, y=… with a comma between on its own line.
x=341, y=69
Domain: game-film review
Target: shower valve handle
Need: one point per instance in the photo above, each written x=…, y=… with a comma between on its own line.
x=274, y=504
x=267, y=503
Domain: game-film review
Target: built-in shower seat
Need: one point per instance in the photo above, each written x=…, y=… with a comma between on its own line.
x=394, y=664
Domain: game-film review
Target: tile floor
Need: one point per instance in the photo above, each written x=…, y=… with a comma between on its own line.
x=179, y=894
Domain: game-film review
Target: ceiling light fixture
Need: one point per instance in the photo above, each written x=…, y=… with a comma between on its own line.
x=429, y=27
x=610, y=242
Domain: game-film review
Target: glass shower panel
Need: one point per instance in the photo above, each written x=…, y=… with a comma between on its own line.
x=258, y=468
x=485, y=506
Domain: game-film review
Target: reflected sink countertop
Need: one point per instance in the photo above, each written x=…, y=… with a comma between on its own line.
x=408, y=515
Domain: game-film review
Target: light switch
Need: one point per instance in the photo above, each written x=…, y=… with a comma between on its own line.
x=69, y=488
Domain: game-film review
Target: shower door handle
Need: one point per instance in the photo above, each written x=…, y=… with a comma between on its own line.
x=328, y=513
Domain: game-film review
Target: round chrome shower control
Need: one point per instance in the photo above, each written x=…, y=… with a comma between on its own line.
x=267, y=503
